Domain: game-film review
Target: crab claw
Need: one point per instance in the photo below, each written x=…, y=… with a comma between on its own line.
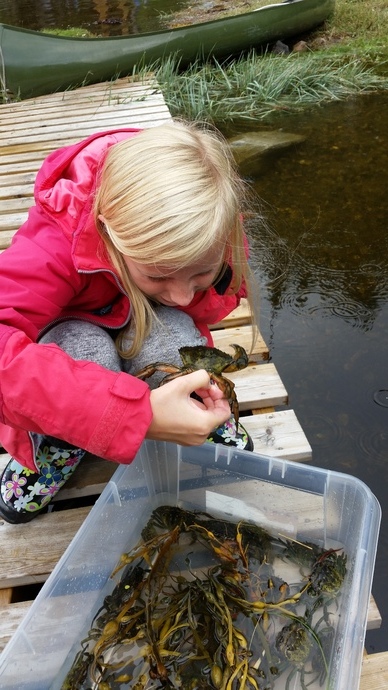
x=227, y=387
x=240, y=359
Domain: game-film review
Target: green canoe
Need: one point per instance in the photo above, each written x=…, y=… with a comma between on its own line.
x=34, y=63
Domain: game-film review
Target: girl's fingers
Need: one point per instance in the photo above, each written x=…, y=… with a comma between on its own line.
x=180, y=418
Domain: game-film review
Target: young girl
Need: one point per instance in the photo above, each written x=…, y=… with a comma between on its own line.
x=134, y=245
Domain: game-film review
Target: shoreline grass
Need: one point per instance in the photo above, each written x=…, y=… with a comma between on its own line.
x=360, y=26
x=256, y=87
x=346, y=57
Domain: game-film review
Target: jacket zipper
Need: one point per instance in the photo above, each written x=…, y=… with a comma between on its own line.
x=85, y=318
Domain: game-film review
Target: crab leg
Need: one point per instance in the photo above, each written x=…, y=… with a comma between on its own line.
x=151, y=369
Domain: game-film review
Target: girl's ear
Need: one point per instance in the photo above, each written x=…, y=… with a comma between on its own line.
x=101, y=219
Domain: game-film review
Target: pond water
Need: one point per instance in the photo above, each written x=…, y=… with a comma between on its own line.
x=101, y=17
x=322, y=263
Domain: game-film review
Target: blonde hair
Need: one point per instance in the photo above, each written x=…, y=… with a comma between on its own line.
x=167, y=196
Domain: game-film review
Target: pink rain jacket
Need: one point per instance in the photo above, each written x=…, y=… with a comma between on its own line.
x=57, y=268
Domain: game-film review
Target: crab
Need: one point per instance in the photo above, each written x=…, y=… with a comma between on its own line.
x=215, y=361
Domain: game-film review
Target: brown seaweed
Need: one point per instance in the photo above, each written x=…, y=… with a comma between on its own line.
x=199, y=605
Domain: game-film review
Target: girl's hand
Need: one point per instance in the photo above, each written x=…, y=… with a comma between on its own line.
x=181, y=419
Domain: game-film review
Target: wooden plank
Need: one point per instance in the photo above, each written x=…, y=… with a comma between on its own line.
x=65, y=136
x=124, y=90
x=59, y=118
x=374, y=616
x=24, y=167
x=83, y=116
x=239, y=317
x=5, y=597
x=25, y=163
x=259, y=386
x=27, y=555
x=8, y=226
x=48, y=115
x=57, y=110
x=374, y=674
x=116, y=92
x=10, y=619
x=16, y=189
x=20, y=203
x=223, y=338
x=62, y=135
x=52, y=107
x=279, y=435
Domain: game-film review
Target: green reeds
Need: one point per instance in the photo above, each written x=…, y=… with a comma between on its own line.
x=256, y=86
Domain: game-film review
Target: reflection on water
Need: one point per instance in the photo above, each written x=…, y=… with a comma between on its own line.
x=323, y=268
x=101, y=17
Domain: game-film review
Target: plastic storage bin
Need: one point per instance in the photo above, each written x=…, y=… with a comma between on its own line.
x=303, y=502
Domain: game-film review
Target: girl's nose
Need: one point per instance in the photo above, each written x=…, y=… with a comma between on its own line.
x=182, y=295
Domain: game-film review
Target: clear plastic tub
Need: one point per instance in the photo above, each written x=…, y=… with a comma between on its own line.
x=295, y=500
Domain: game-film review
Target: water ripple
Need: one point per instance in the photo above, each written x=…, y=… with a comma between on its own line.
x=342, y=439
x=325, y=432
x=327, y=305
x=373, y=443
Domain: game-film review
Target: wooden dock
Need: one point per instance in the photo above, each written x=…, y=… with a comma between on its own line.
x=29, y=130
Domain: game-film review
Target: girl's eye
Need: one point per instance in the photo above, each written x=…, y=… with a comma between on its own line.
x=198, y=276
x=156, y=279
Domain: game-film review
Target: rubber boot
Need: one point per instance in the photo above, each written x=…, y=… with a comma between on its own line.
x=25, y=493
x=230, y=434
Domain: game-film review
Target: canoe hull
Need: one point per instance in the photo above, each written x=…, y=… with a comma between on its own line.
x=36, y=63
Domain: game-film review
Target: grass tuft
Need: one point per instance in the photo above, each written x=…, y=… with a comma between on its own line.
x=254, y=87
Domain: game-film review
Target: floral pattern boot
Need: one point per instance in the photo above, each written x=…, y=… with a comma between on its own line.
x=232, y=434
x=24, y=493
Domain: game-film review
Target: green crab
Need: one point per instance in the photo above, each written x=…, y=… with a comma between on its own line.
x=216, y=362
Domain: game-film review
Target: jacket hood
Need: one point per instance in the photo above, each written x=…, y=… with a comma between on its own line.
x=65, y=187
